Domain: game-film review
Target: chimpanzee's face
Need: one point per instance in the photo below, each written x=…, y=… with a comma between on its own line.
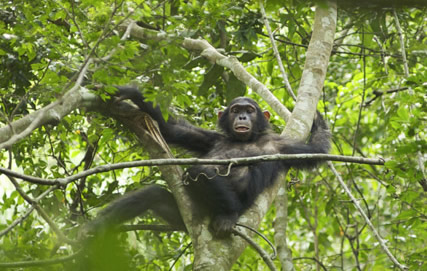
x=242, y=117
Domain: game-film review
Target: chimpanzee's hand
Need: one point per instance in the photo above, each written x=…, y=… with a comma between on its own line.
x=221, y=225
x=319, y=122
x=133, y=94
x=129, y=93
x=96, y=227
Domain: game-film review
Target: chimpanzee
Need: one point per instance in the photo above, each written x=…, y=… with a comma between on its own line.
x=223, y=192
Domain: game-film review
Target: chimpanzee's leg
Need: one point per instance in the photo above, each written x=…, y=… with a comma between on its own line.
x=136, y=203
x=218, y=196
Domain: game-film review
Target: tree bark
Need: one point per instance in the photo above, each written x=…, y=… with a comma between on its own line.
x=299, y=125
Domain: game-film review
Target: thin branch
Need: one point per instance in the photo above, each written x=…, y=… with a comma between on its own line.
x=312, y=226
x=383, y=59
x=180, y=255
x=41, y=212
x=36, y=206
x=261, y=252
x=214, y=56
x=365, y=217
x=73, y=18
x=274, y=255
x=192, y=161
x=33, y=125
x=231, y=62
x=17, y=221
x=41, y=262
x=37, y=118
x=314, y=259
x=379, y=93
x=29, y=211
x=374, y=53
x=359, y=118
x=276, y=52
x=123, y=38
x=402, y=44
x=144, y=227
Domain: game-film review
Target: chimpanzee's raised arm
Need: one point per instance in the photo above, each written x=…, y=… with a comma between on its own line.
x=319, y=142
x=176, y=132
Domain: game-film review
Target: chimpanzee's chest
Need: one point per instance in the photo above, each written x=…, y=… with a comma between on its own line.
x=229, y=149
x=237, y=176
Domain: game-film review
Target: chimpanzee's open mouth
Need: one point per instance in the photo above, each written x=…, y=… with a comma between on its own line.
x=241, y=129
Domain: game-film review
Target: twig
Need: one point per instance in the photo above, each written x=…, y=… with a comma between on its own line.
x=359, y=118
x=383, y=59
x=261, y=252
x=39, y=115
x=402, y=44
x=73, y=18
x=180, y=254
x=365, y=217
x=274, y=255
x=28, y=212
x=124, y=37
x=276, y=52
x=312, y=226
x=379, y=93
x=41, y=262
x=210, y=53
x=311, y=258
x=41, y=211
x=17, y=221
x=141, y=227
x=191, y=161
x=37, y=118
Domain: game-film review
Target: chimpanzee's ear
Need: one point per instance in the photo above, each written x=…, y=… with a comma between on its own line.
x=220, y=114
x=267, y=115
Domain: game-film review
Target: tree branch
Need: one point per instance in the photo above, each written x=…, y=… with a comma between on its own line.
x=41, y=262
x=144, y=227
x=314, y=73
x=192, y=161
x=402, y=44
x=55, y=111
x=209, y=52
x=313, y=259
x=214, y=56
x=379, y=93
x=28, y=212
x=41, y=211
x=267, y=259
x=17, y=221
x=365, y=217
x=276, y=52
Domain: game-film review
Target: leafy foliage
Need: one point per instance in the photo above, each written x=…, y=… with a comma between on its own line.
x=374, y=110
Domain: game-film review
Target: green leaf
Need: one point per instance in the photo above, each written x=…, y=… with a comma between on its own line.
x=234, y=88
x=403, y=114
x=107, y=135
x=210, y=79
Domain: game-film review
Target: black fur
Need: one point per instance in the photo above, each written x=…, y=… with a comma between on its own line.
x=223, y=195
